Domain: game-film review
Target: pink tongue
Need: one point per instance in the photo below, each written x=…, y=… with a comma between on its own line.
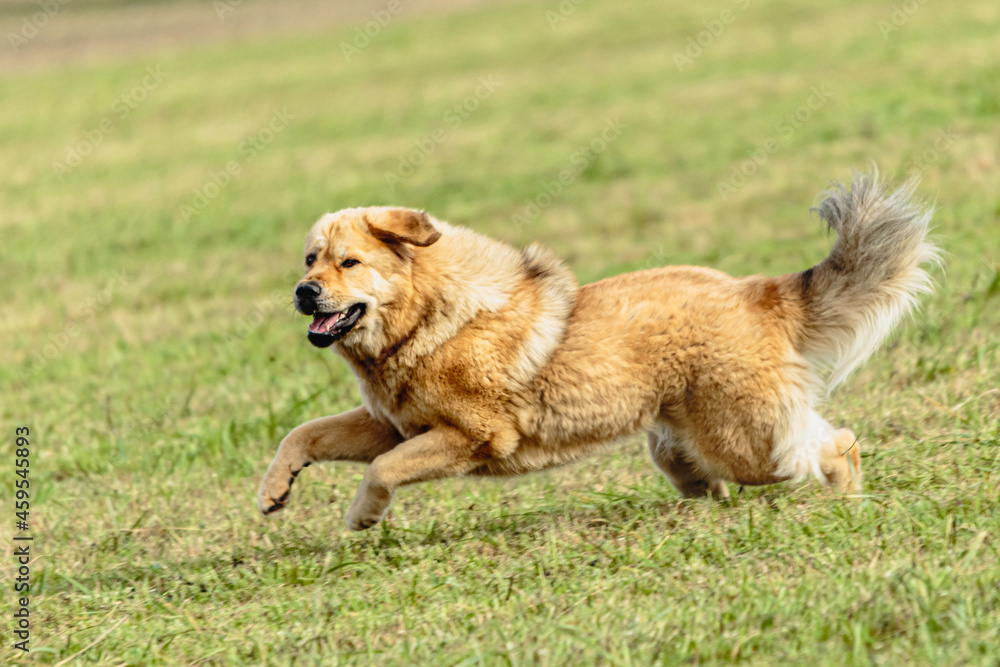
x=322, y=323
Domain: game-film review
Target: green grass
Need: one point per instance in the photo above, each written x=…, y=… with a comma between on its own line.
x=177, y=362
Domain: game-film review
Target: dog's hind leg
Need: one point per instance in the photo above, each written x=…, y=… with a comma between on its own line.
x=351, y=436
x=670, y=457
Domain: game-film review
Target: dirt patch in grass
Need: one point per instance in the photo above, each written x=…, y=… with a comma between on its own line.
x=71, y=32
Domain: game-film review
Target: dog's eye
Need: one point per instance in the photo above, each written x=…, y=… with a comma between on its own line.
x=348, y=263
x=310, y=260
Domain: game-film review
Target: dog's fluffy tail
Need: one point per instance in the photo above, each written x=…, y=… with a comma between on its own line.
x=854, y=297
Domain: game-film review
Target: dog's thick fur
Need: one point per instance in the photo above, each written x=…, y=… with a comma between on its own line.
x=476, y=358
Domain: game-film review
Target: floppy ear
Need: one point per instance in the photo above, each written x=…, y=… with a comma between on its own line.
x=403, y=225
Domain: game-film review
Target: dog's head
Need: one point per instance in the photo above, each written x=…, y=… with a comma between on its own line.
x=359, y=266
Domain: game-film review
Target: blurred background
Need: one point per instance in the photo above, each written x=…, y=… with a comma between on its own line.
x=162, y=161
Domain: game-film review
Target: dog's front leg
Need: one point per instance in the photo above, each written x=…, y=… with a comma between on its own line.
x=351, y=436
x=440, y=452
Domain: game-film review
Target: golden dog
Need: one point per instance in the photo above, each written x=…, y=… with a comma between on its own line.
x=475, y=358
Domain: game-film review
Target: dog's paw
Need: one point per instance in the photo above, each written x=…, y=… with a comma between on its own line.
x=368, y=508
x=840, y=462
x=848, y=442
x=718, y=489
x=362, y=523
x=275, y=490
x=358, y=519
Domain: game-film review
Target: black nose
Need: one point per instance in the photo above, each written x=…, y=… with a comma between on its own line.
x=308, y=291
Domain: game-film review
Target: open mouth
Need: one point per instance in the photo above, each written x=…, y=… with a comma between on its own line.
x=327, y=328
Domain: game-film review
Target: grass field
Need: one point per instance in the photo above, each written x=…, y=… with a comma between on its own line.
x=153, y=208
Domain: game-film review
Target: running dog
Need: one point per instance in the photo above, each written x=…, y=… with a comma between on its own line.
x=475, y=358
